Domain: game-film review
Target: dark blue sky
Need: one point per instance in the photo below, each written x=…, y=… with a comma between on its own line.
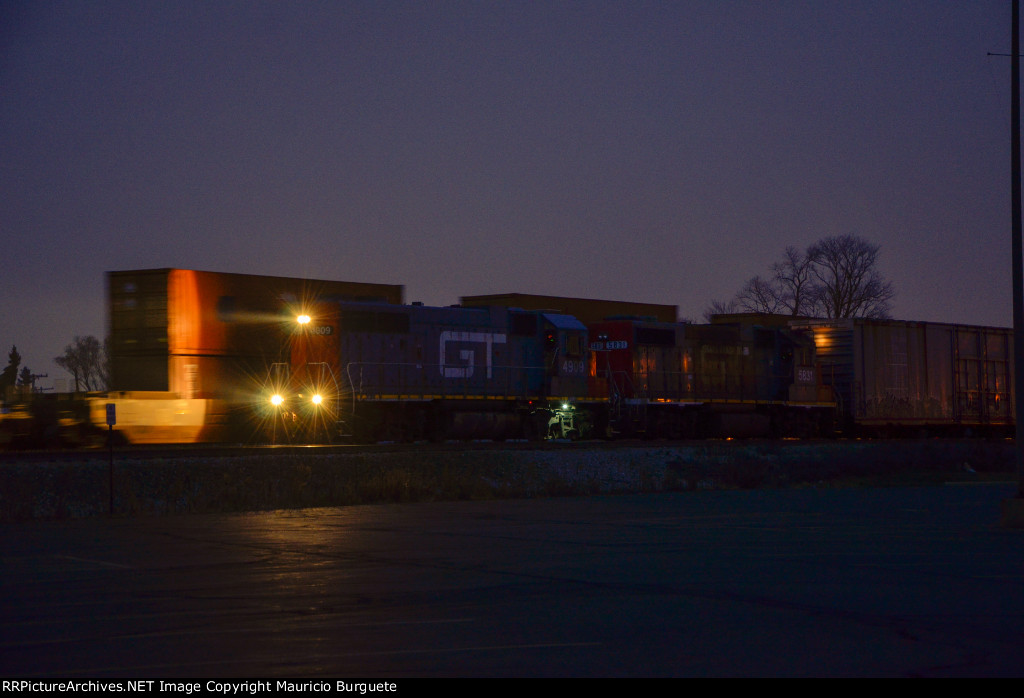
x=656, y=152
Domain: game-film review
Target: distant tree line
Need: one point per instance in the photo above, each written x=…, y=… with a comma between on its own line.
x=836, y=277
x=12, y=377
x=84, y=358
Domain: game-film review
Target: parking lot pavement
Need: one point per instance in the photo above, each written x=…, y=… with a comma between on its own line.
x=915, y=581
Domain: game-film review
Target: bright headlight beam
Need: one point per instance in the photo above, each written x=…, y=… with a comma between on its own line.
x=276, y=400
x=303, y=319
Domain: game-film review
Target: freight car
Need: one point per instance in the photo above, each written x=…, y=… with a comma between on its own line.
x=374, y=372
x=897, y=378
x=79, y=420
x=201, y=335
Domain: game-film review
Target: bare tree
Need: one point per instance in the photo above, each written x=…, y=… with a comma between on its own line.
x=793, y=277
x=835, y=277
x=718, y=307
x=762, y=295
x=85, y=359
x=847, y=280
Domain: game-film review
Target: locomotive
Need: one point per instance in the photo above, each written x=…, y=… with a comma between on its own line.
x=374, y=371
x=382, y=372
x=739, y=377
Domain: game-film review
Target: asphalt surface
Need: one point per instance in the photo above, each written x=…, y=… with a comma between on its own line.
x=902, y=581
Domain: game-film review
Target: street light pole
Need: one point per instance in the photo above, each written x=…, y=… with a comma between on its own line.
x=1018, y=270
x=1013, y=509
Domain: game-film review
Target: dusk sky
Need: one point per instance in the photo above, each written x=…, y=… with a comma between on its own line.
x=655, y=152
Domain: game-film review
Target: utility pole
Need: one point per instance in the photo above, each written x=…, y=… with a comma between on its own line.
x=1013, y=510
x=1018, y=231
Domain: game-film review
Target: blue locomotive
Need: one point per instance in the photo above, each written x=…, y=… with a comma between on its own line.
x=383, y=372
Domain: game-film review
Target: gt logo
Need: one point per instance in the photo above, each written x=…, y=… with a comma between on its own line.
x=488, y=339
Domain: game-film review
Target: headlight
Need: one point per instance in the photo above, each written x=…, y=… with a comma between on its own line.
x=276, y=400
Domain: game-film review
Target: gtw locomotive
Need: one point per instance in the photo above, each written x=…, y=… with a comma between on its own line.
x=374, y=372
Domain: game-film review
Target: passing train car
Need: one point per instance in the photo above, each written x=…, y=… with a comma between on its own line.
x=681, y=380
x=79, y=420
x=34, y=420
x=372, y=372
x=189, y=349
x=204, y=356
x=898, y=378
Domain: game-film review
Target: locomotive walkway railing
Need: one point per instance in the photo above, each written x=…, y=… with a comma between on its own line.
x=419, y=381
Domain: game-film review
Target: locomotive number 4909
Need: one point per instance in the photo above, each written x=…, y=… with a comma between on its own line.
x=570, y=366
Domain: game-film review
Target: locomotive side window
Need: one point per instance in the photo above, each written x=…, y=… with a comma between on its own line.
x=574, y=345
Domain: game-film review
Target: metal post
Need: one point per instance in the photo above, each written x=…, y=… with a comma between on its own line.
x=110, y=469
x=111, y=421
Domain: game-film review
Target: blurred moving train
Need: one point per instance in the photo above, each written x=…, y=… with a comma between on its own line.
x=375, y=372
x=378, y=372
x=202, y=356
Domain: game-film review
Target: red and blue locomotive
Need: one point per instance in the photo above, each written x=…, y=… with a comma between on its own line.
x=747, y=376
